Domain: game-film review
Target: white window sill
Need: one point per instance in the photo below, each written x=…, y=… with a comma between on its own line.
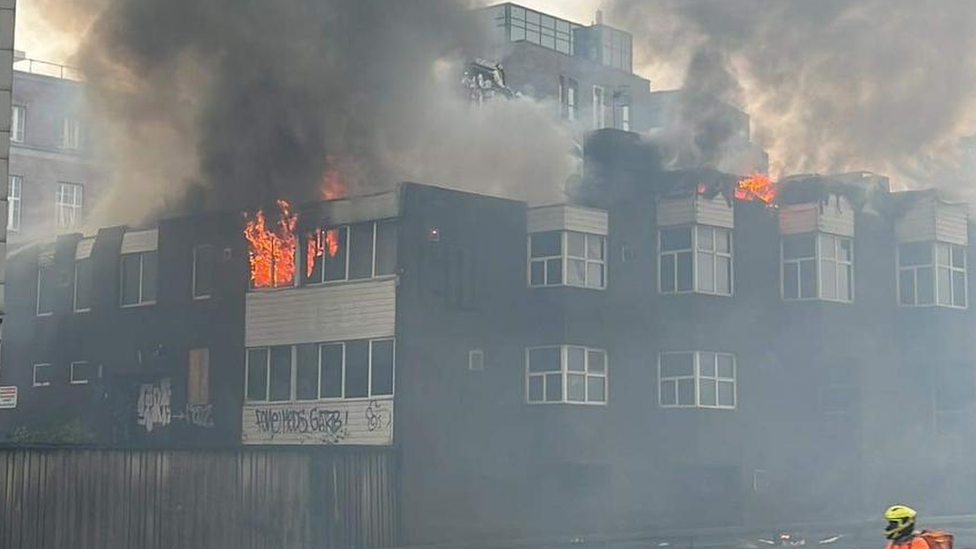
x=695, y=407
x=79, y=382
x=201, y=297
x=83, y=310
x=598, y=288
x=567, y=402
x=696, y=292
x=44, y=384
x=332, y=400
x=45, y=314
x=823, y=299
x=137, y=305
x=933, y=306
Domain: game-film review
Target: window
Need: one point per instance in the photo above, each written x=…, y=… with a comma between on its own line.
x=923, y=282
x=599, y=107
x=818, y=266
x=45, y=290
x=70, y=133
x=540, y=29
x=18, y=123
x=139, y=279
x=616, y=47
x=68, y=204
x=204, y=258
x=198, y=378
x=584, y=260
x=15, y=190
x=568, y=90
x=43, y=375
x=81, y=373
x=624, y=122
x=343, y=370
x=566, y=373
x=83, y=285
x=352, y=252
x=696, y=379
x=695, y=258
x=476, y=360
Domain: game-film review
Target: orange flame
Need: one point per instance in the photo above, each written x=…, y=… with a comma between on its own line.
x=271, y=251
x=332, y=185
x=756, y=187
x=317, y=243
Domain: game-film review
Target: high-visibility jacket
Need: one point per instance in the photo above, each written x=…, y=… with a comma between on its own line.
x=914, y=542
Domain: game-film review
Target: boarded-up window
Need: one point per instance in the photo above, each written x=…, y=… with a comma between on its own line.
x=203, y=271
x=198, y=378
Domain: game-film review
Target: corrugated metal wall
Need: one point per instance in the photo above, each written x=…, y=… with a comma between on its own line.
x=164, y=499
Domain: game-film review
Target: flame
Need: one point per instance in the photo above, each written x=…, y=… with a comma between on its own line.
x=332, y=185
x=317, y=243
x=702, y=188
x=271, y=251
x=756, y=187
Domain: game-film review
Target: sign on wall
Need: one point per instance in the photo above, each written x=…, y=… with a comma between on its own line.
x=358, y=422
x=8, y=397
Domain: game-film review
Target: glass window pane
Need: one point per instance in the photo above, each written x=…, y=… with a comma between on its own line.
x=130, y=279
x=685, y=273
x=594, y=247
x=576, y=359
x=706, y=239
x=808, y=278
x=83, y=284
x=677, y=364
x=381, y=380
x=942, y=253
x=706, y=272
x=532, y=17
x=925, y=287
x=257, y=374
x=791, y=284
x=726, y=393
x=959, y=288
x=537, y=276
x=361, y=250
x=959, y=257
x=844, y=282
x=307, y=372
x=723, y=275
x=596, y=389
x=149, y=273
x=828, y=286
x=686, y=392
x=312, y=241
x=915, y=253
x=828, y=246
x=596, y=362
x=906, y=287
x=576, y=272
x=546, y=359
x=707, y=392
x=575, y=244
x=357, y=369
x=798, y=246
x=945, y=286
x=386, y=245
x=203, y=271
x=546, y=244
x=554, y=271
x=576, y=388
x=554, y=387
x=726, y=367
x=845, y=252
x=667, y=273
x=535, y=388
x=676, y=239
x=706, y=364
x=336, y=247
x=280, y=388
x=518, y=33
x=669, y=393
x=722, y=240
x=331, y=381
x=594, y=275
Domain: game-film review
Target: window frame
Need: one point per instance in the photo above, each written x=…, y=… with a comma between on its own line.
x=14, y=202
x=934, y=266
x=74, y=296
x=64, y=209
x=568, y=98
x=564, y=257
x=564, y=374
x=694, y=250
x=302, y=252
x=18, y=124
x=71, y=373
x=818, y=258
x=193, y=281
x=37, y=308
x=697, y=378
x=34, y=381
x=599, y=107
x=142, y=260
x=476, y=357
x=70, y=133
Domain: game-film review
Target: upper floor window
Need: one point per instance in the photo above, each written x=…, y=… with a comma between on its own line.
x=697, y=379
x=70, y=133
x=15, y=189
x=567, y=258
x=43, y=375
x=932, y=273
x=139, y=273
x=568, y=92
x=18, y=123
x=81, y=373
x=539, y=28
x=695, y=258
x=624, y=120
x=600, y=102
x=350, y=252
x=566, y=373
x=83, y=285
x=315, y=371
x=68, y=204
x=204, y=257
x=45, y=290
x=818, y=266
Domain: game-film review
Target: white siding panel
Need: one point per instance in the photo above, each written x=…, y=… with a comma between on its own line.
x=837, y=216
x=343, y=422
x=675, y=211
x=715, y=211
x=331, y=312
x=546, y=218
x=84, y=249
x=952, y=224
x=562, y=217
x=140, y=241
x=364, y=208
x=918, y=222
x=798, y=218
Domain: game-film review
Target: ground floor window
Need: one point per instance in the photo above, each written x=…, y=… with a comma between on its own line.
x=566, y=373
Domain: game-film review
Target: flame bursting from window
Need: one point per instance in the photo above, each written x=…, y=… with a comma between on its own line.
x=332, y=185
x=756, y=187
x=271, y=250
x=317, y=243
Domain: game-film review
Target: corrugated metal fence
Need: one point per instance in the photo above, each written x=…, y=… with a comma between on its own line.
x=197, y=499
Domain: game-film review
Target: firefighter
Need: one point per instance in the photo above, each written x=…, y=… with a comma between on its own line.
x=901, y=532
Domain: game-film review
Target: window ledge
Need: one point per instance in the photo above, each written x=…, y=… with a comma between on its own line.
x=695, y=407
x=88, y=310
x=79, y=382
x=202, y=297
x=39, y=315
x=326, y=284
x=567, y=403
x=335, y=400
x=542, y=286
x=950, y=307
x=137, y=305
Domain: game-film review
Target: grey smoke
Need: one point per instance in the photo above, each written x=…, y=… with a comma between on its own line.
x=238, y=102
x=831, y=85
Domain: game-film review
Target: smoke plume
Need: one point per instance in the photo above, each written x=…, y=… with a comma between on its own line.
x=831, y=85
x=246, y=101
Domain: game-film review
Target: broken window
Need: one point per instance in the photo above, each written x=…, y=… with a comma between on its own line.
x=696, y=379
x=357, y=369
x=581, y=257
x=204, y=258
x=818, y=266
x=381, y=367
x=932, y=273
x=332, y=361
x=566, y=373
x=363, y=250
x=198, y=377
x=695, y=258
x=279, y=378
x=386, y=246
x=83, y=285
x=139, y=278
x=45, y=290
x=307, y=372
x=81, y=373
x=257, y=374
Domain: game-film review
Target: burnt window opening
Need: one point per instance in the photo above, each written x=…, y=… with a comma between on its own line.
x=83, y=285
x=349, y=252
x=932, y=274
x=695, y=258
x=139, y=274
x=321, y=371
x=81, y=373
x=46, y=278
x=558, y=258
x=43, y=375
x=204, y=262
x=566, y=374
x=817, y=266
x=198, y=377
x=697, y=379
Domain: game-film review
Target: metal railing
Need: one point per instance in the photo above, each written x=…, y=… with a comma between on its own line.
x=47, y=68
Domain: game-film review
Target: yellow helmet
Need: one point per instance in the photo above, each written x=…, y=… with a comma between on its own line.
x=901, y=521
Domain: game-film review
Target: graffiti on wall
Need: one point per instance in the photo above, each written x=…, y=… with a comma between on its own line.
x=197, y=415
x=153, y=406
x=367, y=422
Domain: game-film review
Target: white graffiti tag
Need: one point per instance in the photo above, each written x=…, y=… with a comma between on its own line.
x=153, y=407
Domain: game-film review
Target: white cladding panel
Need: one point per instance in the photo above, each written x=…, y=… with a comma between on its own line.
x=330, y=312
x=837, y=216
x=84, y=249
x=931, y=219
x=366, y=422
x=562, y=217
x=798, y=218
x=140, y=241
x=952, y=223
x=363, y=208
x=715, y=211
x=675, y=211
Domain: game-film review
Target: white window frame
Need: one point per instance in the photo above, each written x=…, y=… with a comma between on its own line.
x=565, y=257
x=68, y=206
x=625, y=117
x=142, y=266
x=15, y=190
x=74, y=297
x=694, y=251
x=568, y=97
x=697, y=378
x=599, y=107
x=37, y=307
x=935, y=265
x=18, y=123
x=71, y=373
x=193, y=281
x=476, y=360
x=303, y=252
x=819, y=259
x=34, y=379
x=564, y=374
x=70, y=133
